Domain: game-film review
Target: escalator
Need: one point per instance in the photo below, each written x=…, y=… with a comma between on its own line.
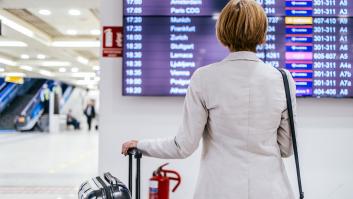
x=21, y=95
x=2, y=85
x=31, y=113
x=67, y=92
x=32, y=116
x=7, y=94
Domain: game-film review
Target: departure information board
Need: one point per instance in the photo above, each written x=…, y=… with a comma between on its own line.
x=166, y=41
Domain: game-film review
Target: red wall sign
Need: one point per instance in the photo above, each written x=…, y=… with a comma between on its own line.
x=112, y=41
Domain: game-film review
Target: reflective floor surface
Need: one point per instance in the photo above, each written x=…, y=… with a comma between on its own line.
x=46, y=166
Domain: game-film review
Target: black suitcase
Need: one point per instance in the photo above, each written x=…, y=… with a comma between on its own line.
x=109, y=187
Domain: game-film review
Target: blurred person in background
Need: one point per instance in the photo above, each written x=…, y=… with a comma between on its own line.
x=44, y=97
x=71, y=120
x=57, y=90
x=90, y=113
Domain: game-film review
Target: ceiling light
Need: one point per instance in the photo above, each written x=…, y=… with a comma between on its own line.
x=27, y=68
x=44, y=12
x=2, y=70
x=87, y=78
x=95, y=32
x=76, y=44
x=82, y=60
x=41, y=56
x=71, y=32
x=24, y=56
x=92, y=87
x=56, y=63
x=12, y=44
x=15, y=26
x=84, y=74
x=7, y=62
x=74, y=12
x=74, y=70
x=86, y=82
x=81, y=82
x=46, y=73
x=96, y=67
x=15, y=74
x=62, y=70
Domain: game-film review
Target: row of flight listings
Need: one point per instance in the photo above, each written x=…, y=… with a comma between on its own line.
x=308, y=37
x=317, y=44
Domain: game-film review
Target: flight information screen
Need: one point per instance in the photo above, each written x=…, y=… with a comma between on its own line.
x=166, y=41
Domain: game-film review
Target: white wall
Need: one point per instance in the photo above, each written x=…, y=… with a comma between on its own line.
x=326, y=132
x=326, y=144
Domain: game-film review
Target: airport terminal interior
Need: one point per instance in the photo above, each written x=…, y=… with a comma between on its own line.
x=78, y=78
x=49, y=50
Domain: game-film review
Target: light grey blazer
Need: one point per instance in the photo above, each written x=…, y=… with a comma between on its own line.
x=238, y=108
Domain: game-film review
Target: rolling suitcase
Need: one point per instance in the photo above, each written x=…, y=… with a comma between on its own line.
x=109, y=187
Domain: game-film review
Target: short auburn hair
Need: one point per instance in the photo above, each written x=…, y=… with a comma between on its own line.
x=242, y=25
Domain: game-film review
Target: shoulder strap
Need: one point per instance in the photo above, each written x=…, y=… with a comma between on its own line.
x=292, y=129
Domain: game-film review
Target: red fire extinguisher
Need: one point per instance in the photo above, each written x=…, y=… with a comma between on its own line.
x=159, y=183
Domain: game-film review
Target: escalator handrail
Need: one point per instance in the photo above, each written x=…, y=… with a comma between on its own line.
x=34, y=101
x=8, y=90
x=37, y=109
x=31, y=103
x=66, y=95
x=3, y=85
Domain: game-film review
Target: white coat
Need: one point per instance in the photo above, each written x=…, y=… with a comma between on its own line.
x=238, y=108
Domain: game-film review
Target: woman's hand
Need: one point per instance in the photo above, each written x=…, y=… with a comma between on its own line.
x=128, y=145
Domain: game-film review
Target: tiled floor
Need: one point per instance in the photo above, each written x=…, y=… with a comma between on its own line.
x=46, y=166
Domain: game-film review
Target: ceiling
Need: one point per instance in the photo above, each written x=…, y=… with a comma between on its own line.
x=51, y=39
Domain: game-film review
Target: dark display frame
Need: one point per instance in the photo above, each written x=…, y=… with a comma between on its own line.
x=124, y=93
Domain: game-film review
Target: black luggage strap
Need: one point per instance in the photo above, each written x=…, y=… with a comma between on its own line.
x=292, y=129
x=110, y=178
x=137, y=154
x=105, y=187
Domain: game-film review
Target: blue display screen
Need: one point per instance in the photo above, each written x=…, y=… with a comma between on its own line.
x=166, y=41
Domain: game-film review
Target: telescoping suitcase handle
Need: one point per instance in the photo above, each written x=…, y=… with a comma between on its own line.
x=137, y=154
